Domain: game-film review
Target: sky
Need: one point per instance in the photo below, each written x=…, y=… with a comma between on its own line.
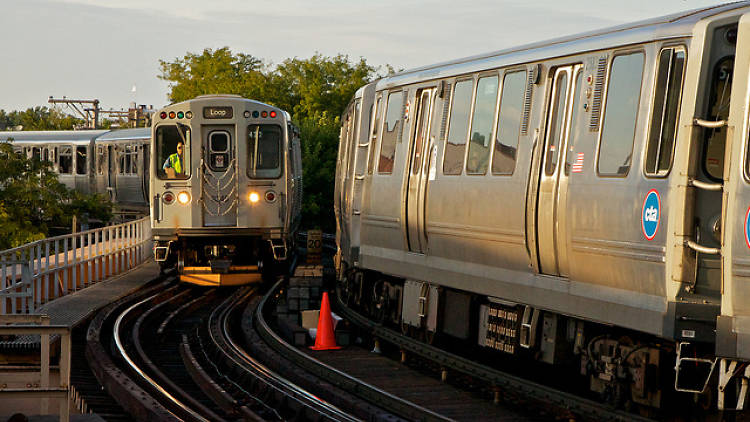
x=101, y=49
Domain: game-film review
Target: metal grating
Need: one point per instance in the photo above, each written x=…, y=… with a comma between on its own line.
x=596, y=105
x=532, y=77
x=446, y=104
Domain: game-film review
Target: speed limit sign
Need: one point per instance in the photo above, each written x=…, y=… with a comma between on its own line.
x=314, y=246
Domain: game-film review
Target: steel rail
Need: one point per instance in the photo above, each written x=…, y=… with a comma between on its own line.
x=220, y=318
x=121, y=349
x=498, y=378
x=176, y=390
x=379, y=397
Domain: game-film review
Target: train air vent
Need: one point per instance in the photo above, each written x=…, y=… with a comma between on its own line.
x=596, y=105
x=533, y=75
x=446, y=105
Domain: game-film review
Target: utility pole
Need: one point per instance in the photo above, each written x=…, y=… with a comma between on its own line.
x=90, y=115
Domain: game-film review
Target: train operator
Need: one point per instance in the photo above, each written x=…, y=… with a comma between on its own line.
x=173, y=165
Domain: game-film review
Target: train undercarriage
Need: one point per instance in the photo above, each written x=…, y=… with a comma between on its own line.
x=224, y=260
x=630, y=370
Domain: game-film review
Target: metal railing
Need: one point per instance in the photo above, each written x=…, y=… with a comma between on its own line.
x=35, y=273
x=40, y=388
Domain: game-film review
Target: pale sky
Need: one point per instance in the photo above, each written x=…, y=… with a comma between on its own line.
x=101, y=48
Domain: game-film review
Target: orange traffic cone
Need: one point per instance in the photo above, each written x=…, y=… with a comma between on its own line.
x=325, y=339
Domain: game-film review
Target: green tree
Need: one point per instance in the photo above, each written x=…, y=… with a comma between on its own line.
x=213, y=72
x=32, y=200
x=314, y=90
x=38, y=118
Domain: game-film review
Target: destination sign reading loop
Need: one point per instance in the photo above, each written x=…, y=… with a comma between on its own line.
x=217, y=112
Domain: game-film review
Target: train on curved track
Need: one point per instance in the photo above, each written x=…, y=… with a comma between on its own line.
x=583, y=202
x=224, y=208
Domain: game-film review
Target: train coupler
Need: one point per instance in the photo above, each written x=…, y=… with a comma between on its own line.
x=279, y=250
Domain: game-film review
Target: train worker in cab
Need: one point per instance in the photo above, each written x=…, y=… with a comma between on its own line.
x=173, y=165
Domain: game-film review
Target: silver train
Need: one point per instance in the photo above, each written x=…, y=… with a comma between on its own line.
x=582, y=201
x=226, y=188
x=113, y=163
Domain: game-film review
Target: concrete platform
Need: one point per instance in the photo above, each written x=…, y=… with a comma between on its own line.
x=74, y=308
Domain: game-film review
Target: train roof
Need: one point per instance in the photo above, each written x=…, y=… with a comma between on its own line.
x=665, y=27
x=126, y=135
x=52, y=136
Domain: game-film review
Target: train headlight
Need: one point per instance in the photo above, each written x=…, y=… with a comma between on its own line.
x=183, y=198
x=253, y=197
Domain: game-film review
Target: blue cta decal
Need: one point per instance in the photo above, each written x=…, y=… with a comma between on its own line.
x=747, y=227
x=651, y=214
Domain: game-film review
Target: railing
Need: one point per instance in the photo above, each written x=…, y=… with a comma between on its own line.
x=35, y=273
x=40, y=387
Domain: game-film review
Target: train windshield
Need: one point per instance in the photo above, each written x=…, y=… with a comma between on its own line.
x=173, y=151
x=264, y=151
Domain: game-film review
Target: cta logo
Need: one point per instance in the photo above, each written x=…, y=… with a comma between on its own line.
x=651, y=214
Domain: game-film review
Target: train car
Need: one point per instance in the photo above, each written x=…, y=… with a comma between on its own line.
x=122, y=169
x=583, y=201
x=226, y=185
x=69, y=152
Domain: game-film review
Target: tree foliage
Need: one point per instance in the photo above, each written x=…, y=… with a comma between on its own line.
x=38, y=118
x=32, y=200
x=314, y=90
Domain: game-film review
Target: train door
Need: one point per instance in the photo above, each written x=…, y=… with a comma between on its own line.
x=360, y=166
x=710, y=173
x=219, y=184
x=417, y=174
x=553, y=177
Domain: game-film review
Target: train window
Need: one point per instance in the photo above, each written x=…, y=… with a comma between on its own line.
x=66, y=160
x=36, y=153
x=573, y=131
x=374, y=135
x=80, y=160
x=509, y=123
x=389, y=136
x=458, y=128
x=667, y=95
x=128, y=158
x=620, y=113
x=557, y=118
x=101, y=159
x=481, y=125
x=721, y=87
x=264, y=144
x=173, y=151
x=134, y=159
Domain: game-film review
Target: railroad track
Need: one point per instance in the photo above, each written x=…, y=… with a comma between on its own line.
x=174, y=356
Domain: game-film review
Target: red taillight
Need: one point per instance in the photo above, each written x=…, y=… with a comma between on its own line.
x=168, y=197
x=273, y=114
x=270, y=196
x=163, y=114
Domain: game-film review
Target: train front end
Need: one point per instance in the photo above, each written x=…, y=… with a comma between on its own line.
x=223, y=200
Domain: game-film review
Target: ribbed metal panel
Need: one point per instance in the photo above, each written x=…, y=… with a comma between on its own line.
x=446, y=104
x=532, y=76
x=596, y=104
